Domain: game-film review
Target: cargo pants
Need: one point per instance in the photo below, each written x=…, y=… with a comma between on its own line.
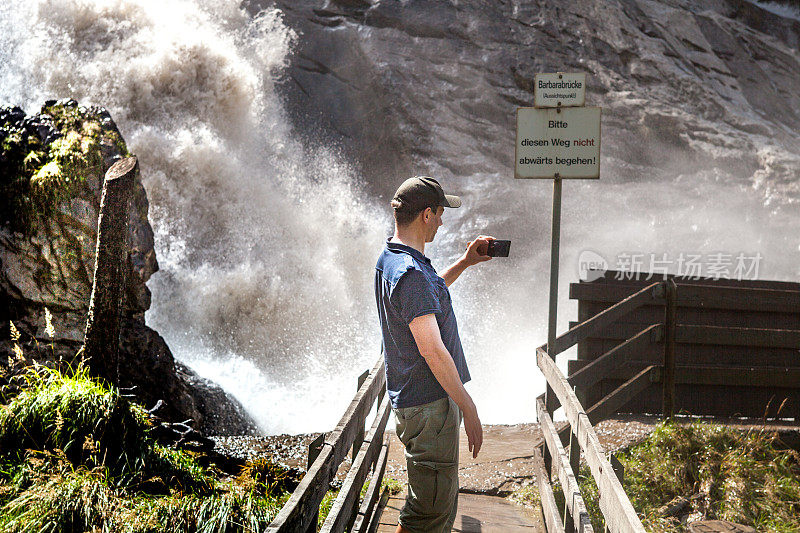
x=429, y=433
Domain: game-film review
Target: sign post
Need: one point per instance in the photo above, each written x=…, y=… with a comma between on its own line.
x=557, y=139
x=552, y=309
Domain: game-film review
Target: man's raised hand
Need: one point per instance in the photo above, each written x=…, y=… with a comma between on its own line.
x=477, y=250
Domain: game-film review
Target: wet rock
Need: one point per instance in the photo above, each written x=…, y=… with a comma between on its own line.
x=433, y=85
x=42, y=126
x=221, y=413
x=12, y=116
x=49, y=206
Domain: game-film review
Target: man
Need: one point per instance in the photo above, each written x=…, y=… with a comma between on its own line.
x=425, y=365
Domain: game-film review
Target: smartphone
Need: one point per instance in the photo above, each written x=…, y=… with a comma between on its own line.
x=498, y=248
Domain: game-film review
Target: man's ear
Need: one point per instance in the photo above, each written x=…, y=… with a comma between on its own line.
x=427, y=214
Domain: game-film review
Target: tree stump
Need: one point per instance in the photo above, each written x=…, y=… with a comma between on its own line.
x=101, y=340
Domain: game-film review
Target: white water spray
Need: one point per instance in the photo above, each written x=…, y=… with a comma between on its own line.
x=265, y=285
x=267, y=246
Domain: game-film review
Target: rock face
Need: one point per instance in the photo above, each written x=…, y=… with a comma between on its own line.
x=685, y=86
x=51, y=169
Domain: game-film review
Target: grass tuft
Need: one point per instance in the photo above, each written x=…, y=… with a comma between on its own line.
x=746, y=477
x=76, y=456
x=727, y=474
x=89, y=423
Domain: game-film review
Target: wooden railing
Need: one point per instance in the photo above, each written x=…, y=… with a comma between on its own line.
x=736, y=346
x=348, y=512
x=560, y=459
x=644, y=355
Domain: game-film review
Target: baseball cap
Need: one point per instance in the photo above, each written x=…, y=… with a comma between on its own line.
x=419, y=192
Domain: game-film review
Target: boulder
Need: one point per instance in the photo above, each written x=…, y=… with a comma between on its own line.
x=52, y=166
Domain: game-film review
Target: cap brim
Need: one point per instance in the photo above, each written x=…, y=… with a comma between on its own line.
x=452, y=200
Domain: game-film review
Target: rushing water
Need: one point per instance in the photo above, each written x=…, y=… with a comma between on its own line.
x=264, y=283
x=266, y=244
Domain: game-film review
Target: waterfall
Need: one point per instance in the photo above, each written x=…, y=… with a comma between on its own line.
x=267, y=240
x=265, y=247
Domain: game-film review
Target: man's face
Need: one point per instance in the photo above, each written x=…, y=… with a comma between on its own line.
x=433, y=223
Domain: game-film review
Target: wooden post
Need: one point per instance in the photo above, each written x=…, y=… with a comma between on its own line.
x=619, y=470
x=552, y=520
x=101, y=339
x=376, y=516
x=574, y=463
x=314, y=450
x=381, y=393
x=670, y=313
x=359, y=440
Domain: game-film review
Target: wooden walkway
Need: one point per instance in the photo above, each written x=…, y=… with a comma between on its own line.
x=476, y=514
x=504, y=463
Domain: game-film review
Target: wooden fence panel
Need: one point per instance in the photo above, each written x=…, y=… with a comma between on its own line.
x=563, y=471
x=302, y=506
x=617, y=509
x=604, y=365
x=720, y=323
x=695, y=350
x=651, y=314
x=705, y=296
x=373, y=492
x=350, y=492
x=763, y=394
x=644, y=278
x=599, y=321
x=623, y=394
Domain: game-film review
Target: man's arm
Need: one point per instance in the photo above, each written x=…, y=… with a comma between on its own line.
x=475, y=253
x=429, y=341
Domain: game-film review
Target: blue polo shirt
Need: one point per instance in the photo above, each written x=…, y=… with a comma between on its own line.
x=407, y=286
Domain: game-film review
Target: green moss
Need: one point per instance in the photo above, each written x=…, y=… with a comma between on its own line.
x=65, y=117
x=71, y=159
x=37, y=179
x=13, y=142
